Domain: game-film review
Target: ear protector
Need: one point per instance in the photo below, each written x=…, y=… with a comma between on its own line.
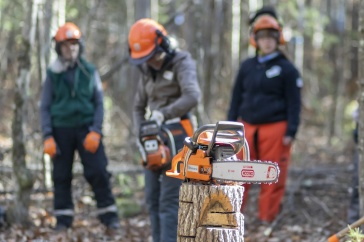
x=165, y=45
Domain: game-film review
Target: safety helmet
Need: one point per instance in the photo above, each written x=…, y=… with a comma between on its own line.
x=67, y=31
x=263, y=22
x=146, y=37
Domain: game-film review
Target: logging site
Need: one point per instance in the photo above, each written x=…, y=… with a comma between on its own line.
x=182, y=121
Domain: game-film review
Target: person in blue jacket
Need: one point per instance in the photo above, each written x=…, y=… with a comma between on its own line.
x=266, y=99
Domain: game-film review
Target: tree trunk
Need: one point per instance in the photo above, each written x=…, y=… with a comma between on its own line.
x=361, y=108
x=210, y=213
x=210, y=50
x=353, y=82
x=244, y=29
x=24, y=179
x=336, y=11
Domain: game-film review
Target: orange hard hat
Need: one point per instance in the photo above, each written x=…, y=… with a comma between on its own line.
x=266, y=22
x=144, y=38
x=67, y=31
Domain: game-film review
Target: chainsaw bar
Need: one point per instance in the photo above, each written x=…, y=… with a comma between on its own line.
x=255, y=171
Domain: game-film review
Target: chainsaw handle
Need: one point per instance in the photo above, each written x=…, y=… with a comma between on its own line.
x=202, y=129
x=190, y=144
x=170, y=140
x=221, y=125
x=224, y=125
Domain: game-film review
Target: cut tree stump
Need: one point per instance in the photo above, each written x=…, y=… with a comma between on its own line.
x=210, y=213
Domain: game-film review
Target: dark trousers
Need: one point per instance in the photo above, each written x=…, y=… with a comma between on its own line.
x=162, y=194
x=68, y=141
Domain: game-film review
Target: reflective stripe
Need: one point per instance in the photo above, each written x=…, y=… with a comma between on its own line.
x=111, y=208
x=65, y=212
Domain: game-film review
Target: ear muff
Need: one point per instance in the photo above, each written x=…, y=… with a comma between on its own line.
x=165, y=45
x=266, y=21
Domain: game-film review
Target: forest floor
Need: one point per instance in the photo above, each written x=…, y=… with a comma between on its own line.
x=315, y=204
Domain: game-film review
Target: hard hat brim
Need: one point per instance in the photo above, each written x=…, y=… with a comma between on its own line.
x=138, y=61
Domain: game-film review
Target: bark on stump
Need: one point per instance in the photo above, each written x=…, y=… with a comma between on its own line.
x=210, y=213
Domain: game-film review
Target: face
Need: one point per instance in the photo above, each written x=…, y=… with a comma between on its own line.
x=156, y=61
x=70, y=49
x=267, y=42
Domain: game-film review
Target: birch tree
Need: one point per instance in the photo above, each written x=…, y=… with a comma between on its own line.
x=24, y=179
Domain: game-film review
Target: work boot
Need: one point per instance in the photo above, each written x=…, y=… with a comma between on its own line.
x=61, y=228
x=113, y=228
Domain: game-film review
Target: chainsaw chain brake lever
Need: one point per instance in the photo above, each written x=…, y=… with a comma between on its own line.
x=190, y=144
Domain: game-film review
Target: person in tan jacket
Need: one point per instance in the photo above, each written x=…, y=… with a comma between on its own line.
x=170, y=89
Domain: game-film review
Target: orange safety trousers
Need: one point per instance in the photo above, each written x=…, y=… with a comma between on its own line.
x=266, y=144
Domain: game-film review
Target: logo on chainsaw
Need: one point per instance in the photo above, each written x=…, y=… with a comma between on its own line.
x=247, y=173
x=192, y=168
x=272, y=172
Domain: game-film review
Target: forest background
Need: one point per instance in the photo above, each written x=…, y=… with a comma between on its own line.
x=322, y=40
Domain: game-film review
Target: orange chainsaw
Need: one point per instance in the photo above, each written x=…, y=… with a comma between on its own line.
x=213, y=154
x=154, y=152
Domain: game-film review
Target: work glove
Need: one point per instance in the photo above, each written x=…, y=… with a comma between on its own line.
x=157, y=116
x=50, y=147
x=92, y=141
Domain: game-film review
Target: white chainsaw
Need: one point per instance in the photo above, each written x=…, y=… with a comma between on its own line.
x=219, y=154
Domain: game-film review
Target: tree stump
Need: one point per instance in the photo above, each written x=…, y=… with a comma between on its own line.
x=210, y=213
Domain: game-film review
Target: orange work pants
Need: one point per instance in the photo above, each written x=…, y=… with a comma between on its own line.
x=266, y=144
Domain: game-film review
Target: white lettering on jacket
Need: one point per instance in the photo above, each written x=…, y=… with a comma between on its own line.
x=273, y=71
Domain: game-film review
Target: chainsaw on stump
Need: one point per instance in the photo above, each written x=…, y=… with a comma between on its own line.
x=219, y=153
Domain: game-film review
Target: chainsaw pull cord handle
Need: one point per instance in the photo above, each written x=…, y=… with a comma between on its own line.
x=171, y=140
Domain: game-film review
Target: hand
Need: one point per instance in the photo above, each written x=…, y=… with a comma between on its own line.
x=157, y=116
x=92, y=141
x=287, y=140
x=50, y=147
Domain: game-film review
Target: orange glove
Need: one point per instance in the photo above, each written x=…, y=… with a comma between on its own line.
x=50, y=147
x=92, y=141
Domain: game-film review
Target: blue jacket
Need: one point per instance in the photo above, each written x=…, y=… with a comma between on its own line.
x=267, y=92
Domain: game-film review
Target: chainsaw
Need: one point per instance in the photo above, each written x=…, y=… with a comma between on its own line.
x=212, y=154
x=154, y=152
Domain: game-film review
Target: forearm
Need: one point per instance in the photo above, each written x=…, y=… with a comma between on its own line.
x=99, y=105
x=45, y=104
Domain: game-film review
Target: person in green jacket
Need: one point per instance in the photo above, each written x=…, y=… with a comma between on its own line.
x=71, y=120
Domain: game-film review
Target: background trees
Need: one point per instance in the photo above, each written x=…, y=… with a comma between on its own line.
x=321, y=36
